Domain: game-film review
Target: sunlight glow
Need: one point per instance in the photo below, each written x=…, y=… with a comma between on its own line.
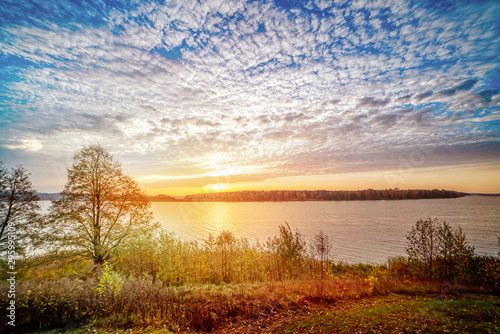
x=216, y=187
x=221, y=172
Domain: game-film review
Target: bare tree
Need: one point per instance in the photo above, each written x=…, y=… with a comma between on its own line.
x=447, y=246
x=321, y=248
x=99, y=207
x=18, y=203
x=439, y=249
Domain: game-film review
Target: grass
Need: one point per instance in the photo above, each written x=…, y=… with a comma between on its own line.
x=342, y=305
x=141, y=304
x=404, y=314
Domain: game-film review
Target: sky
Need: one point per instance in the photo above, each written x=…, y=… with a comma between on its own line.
x=202, y=96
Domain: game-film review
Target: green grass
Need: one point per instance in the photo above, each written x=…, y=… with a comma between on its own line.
x=404, y=314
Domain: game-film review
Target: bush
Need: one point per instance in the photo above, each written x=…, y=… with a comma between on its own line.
x=485, y=271
x=352, y=270
x=53, y=303
x=289, y=249
x=399, y=267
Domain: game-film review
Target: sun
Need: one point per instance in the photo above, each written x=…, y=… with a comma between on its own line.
x=217, y=186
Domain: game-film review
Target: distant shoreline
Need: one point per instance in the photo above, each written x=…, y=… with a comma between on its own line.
x=322, y=195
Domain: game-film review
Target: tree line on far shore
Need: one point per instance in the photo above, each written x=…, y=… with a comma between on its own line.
x=318, y=195
x=300, y=195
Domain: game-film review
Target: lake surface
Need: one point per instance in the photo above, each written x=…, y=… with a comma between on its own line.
x=361, y=231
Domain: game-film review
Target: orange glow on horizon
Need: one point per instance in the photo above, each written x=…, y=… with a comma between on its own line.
x=478, y=178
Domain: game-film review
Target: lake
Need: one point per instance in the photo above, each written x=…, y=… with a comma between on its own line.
x=361, y=231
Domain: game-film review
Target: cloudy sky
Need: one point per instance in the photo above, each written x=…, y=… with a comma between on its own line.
x=195, y=96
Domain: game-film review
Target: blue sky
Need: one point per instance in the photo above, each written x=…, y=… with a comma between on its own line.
x=187, y=94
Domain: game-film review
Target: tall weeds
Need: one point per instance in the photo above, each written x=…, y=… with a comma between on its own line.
x=142, y=302
x=220, y=259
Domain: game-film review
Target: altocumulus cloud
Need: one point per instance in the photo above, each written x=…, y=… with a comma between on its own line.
x=262, y=88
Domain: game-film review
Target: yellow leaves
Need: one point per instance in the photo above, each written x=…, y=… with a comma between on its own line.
x=328, y=270
x=373, y=282
x=109, y=283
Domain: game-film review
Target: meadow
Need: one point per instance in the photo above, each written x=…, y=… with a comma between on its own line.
x=159, y=283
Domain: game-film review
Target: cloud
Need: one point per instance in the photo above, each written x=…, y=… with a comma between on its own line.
x=387, y=120
x=466, y=85
x=372, y=102
x=422, y=96
x=24, y=144
x=488, y=94
x=281, y=88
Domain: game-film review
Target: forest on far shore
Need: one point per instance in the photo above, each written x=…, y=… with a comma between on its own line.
x=313, y=195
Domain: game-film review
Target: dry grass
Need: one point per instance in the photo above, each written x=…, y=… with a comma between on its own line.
x=140, y=302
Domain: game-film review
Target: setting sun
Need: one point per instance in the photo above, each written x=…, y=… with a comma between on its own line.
x=217, y=187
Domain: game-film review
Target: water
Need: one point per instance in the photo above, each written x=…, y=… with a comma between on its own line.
x=361, y=231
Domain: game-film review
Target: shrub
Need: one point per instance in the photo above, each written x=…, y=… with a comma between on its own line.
x=422, y=245
x=289, y=249
x=109, y=282
x=138, y=255
x=53, y=303
x=399, y=267
x=485, y=271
